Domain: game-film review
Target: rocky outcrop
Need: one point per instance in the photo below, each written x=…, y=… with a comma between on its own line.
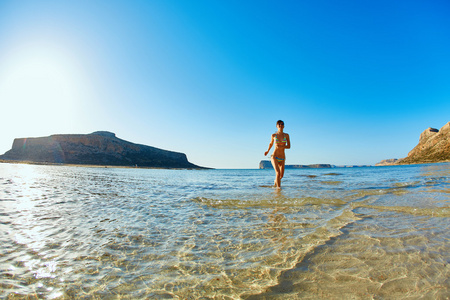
x=387, y=162
x=98, y=148
x=266, y=164
x=433, y=146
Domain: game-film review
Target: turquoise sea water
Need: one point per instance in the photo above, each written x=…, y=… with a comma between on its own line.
x=342, y=233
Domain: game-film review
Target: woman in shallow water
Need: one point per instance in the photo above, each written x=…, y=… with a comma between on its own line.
x=278, y=158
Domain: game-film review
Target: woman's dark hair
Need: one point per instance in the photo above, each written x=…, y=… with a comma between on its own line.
x=279, y=122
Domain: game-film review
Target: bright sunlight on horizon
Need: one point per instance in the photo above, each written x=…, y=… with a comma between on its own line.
x=355, y=82
x=40, y=83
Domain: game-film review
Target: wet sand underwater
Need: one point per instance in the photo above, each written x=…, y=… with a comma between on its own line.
x=358, y=233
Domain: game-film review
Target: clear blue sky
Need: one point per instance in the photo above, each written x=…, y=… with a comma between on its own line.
x=354, y=81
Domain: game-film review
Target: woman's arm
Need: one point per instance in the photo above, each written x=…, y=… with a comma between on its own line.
x=288, y=146
x=270, y=145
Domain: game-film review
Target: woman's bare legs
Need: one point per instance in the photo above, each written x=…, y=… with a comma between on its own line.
x=279, y=171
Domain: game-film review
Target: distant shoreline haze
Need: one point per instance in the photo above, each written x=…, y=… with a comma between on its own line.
x=433, y=147
x=103, y=148
x=266, y=164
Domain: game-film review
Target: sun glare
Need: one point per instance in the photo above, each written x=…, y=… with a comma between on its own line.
x=41, y=84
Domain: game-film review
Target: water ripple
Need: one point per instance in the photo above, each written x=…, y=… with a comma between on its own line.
x=70, y=232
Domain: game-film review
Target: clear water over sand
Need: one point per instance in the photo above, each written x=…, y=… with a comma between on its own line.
x=361, y=233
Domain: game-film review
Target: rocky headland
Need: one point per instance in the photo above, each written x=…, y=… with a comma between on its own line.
x=98, y=148
x=433, y=147
x=387, y=162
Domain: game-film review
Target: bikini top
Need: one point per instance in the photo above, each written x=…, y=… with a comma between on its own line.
x=284, y=141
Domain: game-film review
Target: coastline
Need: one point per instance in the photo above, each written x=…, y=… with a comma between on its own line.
x=4, y=161
x=24, y=162
x=411, y=164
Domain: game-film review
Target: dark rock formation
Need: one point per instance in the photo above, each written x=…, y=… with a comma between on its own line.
x=98, y=148
x=433, y=146
x=266, y=164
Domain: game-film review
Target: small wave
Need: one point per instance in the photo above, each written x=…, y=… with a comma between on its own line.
x=416, y=211
x=331, y=182
x=304, y=175
x=406, y=184
x=275, y=202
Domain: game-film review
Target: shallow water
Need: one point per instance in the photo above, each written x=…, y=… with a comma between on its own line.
x=358, y=233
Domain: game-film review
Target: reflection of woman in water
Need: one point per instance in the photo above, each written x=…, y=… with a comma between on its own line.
x=278, y=159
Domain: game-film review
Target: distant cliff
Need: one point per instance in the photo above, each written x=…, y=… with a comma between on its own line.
x=98, y=148
x=387, y=162
x=433, y=146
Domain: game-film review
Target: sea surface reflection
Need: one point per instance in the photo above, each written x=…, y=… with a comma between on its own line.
x=75, y=232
